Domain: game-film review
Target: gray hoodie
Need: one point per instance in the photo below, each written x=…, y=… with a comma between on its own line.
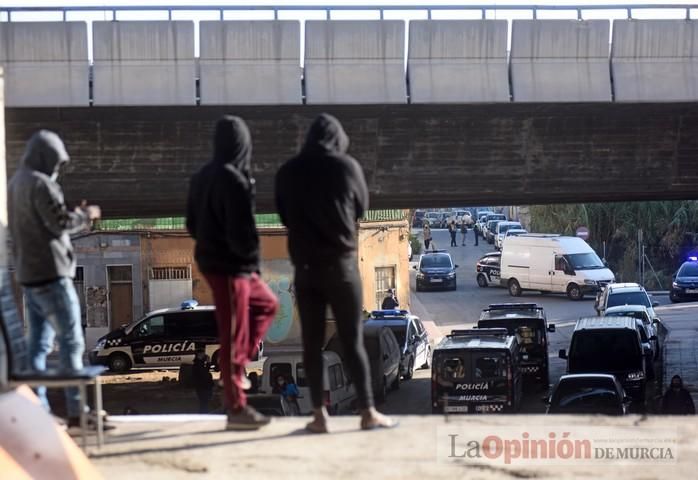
x=40, y=224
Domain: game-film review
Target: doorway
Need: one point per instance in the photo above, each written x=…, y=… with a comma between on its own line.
x=120, y=281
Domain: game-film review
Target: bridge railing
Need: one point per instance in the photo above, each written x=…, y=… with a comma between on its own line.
x=276, y=61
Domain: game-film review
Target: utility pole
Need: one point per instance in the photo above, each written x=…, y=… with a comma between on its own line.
x=639, y=256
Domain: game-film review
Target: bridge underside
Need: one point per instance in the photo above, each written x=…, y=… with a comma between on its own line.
x=136, y=161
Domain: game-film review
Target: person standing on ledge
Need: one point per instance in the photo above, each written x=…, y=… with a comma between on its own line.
x=320, y=195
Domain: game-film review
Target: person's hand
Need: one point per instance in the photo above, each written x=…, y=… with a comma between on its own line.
x=93, y=211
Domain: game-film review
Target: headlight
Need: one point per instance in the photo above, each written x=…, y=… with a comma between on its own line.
x=589, y=282
x=101, y=344
x=636, y=375
x=451, y=275
x=674, y=284
x=420, y=276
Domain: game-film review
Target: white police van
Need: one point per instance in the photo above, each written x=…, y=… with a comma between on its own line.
x=163, y=338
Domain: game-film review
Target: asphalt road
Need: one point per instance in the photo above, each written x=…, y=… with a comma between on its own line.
x=461, y=309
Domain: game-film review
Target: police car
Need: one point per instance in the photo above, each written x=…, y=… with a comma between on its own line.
x=164, y=338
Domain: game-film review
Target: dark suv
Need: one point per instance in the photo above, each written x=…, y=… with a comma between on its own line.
x=529, y=323
x=411, y=336
x=610, y=345
x=436, y=270
x=684, y=285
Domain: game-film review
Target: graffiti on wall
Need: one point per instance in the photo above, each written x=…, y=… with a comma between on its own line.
x=286, y=326
x=96, y=305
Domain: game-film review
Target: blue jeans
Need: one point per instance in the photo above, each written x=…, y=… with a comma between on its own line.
x=54, y=313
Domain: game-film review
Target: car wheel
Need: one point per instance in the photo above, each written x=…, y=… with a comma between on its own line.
x=383, y=392
x=673, y=297
x=482, y=281
x=455, y=286
x=514, y=288
x=418, y=287
x=574, y=292
x=396, y=383
x=428, y=359
x=119, y=362
x=214, y=361
x=410, y=370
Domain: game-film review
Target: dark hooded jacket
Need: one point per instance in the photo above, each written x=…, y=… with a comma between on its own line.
x=320, y=195
x=220, y=207
x=40, y=224
x=678, y=402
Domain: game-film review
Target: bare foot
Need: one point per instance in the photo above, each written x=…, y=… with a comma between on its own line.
x=371, y=419
x=319, y=423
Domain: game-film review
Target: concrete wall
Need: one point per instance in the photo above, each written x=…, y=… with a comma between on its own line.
x=45, y=63
x=655, y=60
x=458, y=61
x=144, y=63
x=250, y=62
x=560, y=61
x=355, y=62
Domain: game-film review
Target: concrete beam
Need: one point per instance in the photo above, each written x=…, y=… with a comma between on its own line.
x=355, y=62
x=144, y=63
x=451, y=61
x=250, y=63
x=655, y=60
x=45, y=63
x=137, y=161
x=560, y=61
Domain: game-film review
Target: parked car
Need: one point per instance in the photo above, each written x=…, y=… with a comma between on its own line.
x=488, y=269
x=490, y=230
x=616, y=294
x=684, y=285
x=609, y=345
x=502, y=228
x=417, y=219
x=476, y=371
x=552, y=263
x=436, y=270
x=338, y=389
x=411, y=336
x=481, y=220
x=588, y=394
x=434, y=219
x=272, y=405
x=654, y=326
x=529, y=323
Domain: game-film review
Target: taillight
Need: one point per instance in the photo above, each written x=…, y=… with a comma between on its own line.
x=326, y=398
x=479, y=268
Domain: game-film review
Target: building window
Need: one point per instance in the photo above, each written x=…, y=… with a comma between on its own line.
x=385, y=280
x=170, y=273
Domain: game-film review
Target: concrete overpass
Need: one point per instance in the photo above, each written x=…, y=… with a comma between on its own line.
x=440, y=114
x=136, y=161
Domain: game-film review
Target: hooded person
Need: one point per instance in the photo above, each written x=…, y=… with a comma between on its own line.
x=220, y=218
x=40, y=227
x=320, y=195
x=677, y=400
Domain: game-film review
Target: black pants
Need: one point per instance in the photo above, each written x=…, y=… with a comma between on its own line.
x=453, y=238
x=477, y=237
x=204, y=395
x=427, y=241
x=336, y=283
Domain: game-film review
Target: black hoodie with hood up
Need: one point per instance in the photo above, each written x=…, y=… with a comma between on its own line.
x=320, y=195
x=220, y=207
x=40, y=224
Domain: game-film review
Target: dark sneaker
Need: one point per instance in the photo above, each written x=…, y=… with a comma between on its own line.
x=246, y=418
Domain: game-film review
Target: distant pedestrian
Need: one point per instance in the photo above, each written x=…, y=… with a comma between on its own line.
x=677, y=400
x=476, y=234
x=41, y=225
x=220, y=218
x=390, y=302
x=202, y=380
x=287, y=388
x=463, y=230
x=453, y=231
x=321, y=194
x=426, y=233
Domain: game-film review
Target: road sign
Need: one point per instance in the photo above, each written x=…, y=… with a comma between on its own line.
x=583, y=233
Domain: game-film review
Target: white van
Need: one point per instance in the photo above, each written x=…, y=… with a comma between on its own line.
x=552, y=263
x=339, y=393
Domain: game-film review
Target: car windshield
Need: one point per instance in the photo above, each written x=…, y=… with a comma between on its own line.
x=504, y=228
x=497, y=217
x=436, y=261
x=639, y=315
x=605, y=351
x=584, y=261
x=688, y=270
x=587, y=400
x=628, y=298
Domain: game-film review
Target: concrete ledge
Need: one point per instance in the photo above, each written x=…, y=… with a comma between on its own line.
x=176, y=450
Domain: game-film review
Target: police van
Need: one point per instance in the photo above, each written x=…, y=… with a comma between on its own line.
x=476, y=371
x=164, y=338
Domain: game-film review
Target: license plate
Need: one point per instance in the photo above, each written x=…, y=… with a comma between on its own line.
x=436, y=280
x=458, y=409
x=692, y=290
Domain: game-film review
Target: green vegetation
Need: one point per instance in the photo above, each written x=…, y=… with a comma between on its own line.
x=416, y=244
x=669, y=230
